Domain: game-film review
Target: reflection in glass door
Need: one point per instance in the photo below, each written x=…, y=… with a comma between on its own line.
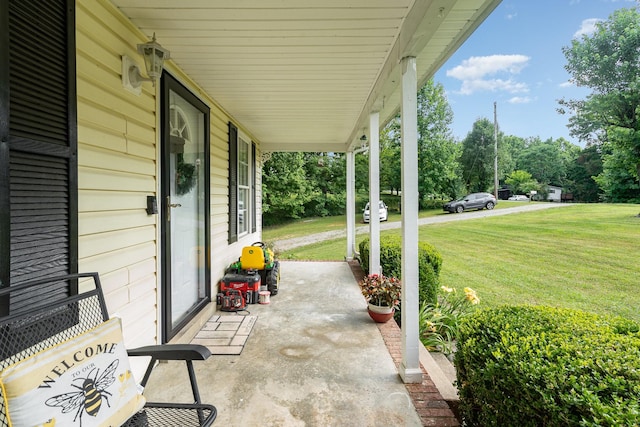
x=185, y=211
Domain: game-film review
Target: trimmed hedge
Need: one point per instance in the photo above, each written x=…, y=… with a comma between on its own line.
x=429, y=264
x=543, y=366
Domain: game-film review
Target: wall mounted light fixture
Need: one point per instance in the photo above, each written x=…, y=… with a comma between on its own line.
x=154, y=56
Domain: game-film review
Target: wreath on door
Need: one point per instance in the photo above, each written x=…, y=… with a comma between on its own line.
x=185, y=175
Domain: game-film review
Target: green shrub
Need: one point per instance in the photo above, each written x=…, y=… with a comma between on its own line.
x=542, y=366
x=432, y=203
x=328, y=204
x=429, y=264
x=392, y=202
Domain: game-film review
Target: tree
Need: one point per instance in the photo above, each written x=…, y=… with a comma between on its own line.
x=544, y=160
x=581, y=174
x=285, y=188
x=512, y=146
x=362, y=172
x=326, y=177
x=521, y=182
x=390, y=169
x=608, y=62
x=477, y=156
x=438, y=169
x=617, y=184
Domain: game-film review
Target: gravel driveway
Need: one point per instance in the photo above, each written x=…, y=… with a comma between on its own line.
x=287, y=244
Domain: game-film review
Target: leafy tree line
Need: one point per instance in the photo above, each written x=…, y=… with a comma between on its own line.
x=297, y=185
x=608, y=63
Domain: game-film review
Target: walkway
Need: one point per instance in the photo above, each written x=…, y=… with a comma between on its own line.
x=287, y=244
x=314, y=358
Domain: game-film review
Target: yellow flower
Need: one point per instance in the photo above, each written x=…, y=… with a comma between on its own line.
x=471, y=296
x=447, y=290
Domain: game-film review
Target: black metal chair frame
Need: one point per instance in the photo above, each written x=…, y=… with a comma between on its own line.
x=32, y=327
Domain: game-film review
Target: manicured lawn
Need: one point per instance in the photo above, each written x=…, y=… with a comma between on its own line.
x=308, y=226
x=581, y=256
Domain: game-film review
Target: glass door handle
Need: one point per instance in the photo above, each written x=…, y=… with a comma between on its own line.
x=169, y=206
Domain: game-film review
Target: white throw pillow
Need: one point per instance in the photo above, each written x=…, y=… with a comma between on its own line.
x=83, y=381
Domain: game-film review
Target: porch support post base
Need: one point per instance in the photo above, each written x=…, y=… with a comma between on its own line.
x=410, y=375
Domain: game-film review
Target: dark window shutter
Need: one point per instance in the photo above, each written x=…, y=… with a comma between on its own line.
x=233, y=183
x=254, y=197
x=38, y=143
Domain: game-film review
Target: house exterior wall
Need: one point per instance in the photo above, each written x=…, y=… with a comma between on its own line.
x=118, y=157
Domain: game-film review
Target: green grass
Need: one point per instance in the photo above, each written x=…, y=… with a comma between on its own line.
x=581, y=256
x=314, y=225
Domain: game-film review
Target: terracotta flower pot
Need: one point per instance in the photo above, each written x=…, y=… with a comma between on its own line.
x=380, y=314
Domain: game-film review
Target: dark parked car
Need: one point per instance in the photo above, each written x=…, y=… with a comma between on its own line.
x=471, y=201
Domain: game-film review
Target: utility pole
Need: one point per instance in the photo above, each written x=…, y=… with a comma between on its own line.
x=495, y=149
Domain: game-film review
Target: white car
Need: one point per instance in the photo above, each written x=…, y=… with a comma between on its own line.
x=519, y=198
x=384, y=213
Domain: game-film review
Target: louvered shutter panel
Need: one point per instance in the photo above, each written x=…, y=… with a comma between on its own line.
x=254, y=197
x=233, y=183
x=38, y=140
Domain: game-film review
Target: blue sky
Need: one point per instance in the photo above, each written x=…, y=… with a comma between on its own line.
x=515, y=59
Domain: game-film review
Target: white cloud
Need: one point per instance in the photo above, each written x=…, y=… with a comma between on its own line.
x=480, y=66
x=587, y=27
x=492, y=85
x=519, y=100
x=566, y=84
x=475, y=72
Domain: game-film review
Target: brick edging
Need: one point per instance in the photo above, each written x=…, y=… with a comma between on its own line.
x=430, y=406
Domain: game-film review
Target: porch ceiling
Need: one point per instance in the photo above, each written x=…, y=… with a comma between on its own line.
x=303, y=75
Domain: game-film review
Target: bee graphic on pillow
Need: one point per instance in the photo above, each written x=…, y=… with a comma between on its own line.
x=89, y=395
x=124, y=379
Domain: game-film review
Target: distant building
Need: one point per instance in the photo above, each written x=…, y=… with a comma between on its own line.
x=554, y=194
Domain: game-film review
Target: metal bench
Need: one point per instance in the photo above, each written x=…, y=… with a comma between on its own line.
x=29, y=326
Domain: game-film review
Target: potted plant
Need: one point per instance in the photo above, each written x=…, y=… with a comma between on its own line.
x=383, y=295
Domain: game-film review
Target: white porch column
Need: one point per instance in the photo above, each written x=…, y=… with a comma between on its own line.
x=351, y=204
x=374, y=193
x=410, y=366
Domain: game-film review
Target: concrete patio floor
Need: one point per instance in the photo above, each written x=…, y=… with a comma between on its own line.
x=314, y=358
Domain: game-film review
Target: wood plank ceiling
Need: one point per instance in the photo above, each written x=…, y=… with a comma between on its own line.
x=303, y=75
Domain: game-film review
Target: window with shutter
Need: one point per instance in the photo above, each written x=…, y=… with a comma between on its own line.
x=38, y=144
x=242, y=184
x=233, y=183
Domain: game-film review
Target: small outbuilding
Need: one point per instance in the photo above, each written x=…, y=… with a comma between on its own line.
x=554, y=194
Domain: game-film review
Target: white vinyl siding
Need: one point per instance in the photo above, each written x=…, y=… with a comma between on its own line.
x=118, y=168
x=116, y=171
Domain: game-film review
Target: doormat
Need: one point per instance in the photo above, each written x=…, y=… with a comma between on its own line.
x=225, y=334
